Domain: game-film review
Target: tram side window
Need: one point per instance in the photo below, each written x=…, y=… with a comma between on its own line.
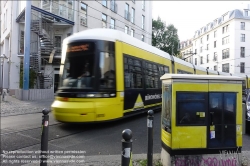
x=191, y=108
x=182, y=72
x=132, y=73
x=166, y=69
x=107, y=69
x=151, y=75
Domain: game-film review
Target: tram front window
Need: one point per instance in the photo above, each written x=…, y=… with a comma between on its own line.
x=88, y=69
x=79, y=66
x=78, y=71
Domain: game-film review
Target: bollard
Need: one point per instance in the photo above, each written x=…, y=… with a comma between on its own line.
x=150, y=137
x=44, y=137
x=126, y=147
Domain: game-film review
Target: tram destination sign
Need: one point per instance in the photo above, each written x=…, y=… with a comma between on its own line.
x=80, y=47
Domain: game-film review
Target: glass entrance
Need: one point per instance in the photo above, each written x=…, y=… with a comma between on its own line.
x=222, y=120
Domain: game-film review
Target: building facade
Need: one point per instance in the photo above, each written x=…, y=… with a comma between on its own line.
x=51, y=22
x=224, y=44
x=186, y=50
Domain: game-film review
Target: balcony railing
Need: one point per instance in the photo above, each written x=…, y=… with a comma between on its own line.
x=63, y=9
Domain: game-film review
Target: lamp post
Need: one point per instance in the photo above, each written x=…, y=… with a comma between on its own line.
x=2, y=57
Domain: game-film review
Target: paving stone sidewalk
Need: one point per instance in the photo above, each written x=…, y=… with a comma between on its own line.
x=13, y=106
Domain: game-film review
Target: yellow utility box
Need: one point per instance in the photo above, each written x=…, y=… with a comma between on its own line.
x=201, y=114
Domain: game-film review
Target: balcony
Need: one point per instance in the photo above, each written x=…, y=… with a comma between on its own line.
x=63, y=9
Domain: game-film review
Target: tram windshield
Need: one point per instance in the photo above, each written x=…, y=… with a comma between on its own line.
x=85, y=68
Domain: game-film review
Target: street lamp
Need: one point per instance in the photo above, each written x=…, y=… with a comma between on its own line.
x=2, y=57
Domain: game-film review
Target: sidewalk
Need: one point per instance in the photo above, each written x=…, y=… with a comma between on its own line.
x=13, y=106
x=108, y=160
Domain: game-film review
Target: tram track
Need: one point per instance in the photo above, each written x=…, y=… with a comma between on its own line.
x=19, y=131
x=38, y=140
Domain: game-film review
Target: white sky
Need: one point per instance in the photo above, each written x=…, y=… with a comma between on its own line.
x=189, y=16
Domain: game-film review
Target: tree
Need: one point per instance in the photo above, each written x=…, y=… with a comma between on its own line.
x=32, y=77
x=165, y=37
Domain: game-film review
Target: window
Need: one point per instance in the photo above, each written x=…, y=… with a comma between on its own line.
x=201, y=60
x=246, y=13
x=104, y=20
x=151, y=75
x=132, y=32
x=214, y=44
x=215, y=56
x=242, y=52
x=225, y=29
x=126, y=29
x=107, y=69
x=223, y=105
x=83, y=14
x=21, y=43
x=195, y=51
x=207, y=58
x=142, y=37
x=133, y=73
x=225, y=53
x=225, y=40
x=207, y=46
x=166, y=107
x=225, y=67
x=207, y=37
x=143, y=21
x=113, y=6
x=242, y=39
x=112, y=23
x=133, y=15
x=195, y=61
x=242, y=67
x=104, y=3
x=215, y=34
x=188, y=106
x=200, y=49
x=242, y=25
x=143, y=4
x=183, y=72
x=201, y=40
x=215, y=68
x=127, y=14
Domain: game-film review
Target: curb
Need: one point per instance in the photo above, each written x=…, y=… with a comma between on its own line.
x=102, y=160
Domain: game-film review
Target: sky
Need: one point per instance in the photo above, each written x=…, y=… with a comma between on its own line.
x=189, y=16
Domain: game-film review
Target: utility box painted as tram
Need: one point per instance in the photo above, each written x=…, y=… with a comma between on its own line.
x=201, y=114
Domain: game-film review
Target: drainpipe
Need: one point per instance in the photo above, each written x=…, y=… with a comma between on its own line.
x=10, y=43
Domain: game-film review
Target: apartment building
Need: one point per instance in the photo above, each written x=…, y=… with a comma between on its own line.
x=51, y=22
x=224, y=44
x=186, y=50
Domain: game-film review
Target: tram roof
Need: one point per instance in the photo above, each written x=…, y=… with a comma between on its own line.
x=114, y=35
x=201, y=77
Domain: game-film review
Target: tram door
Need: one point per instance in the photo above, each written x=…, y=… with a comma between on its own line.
x=222, y=120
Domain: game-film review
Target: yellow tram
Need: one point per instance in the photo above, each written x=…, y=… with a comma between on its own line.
x=106, y=74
